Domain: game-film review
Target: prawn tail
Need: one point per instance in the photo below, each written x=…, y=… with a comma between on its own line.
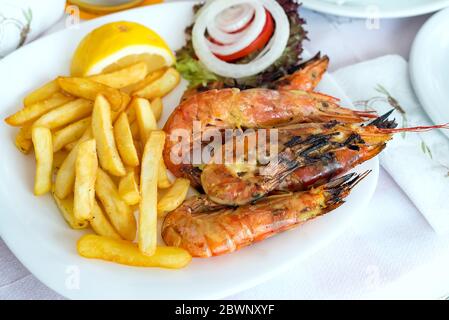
x=382, y=122
x=298, y=152
x=338, y=189
x=316, y=59
x=390, y=126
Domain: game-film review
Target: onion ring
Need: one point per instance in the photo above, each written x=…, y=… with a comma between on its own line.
x=201, y=44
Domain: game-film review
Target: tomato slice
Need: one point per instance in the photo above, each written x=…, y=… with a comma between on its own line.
x=259, y=43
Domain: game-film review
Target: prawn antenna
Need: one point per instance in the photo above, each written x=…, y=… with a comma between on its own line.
x=417, y=129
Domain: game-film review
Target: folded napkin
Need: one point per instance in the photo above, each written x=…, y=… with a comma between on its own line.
x=418, y=162
x=23, y=20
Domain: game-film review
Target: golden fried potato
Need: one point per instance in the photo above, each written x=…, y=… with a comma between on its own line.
x=152, y=156
x=66, y=208
x=41, y=93
x=160, y=87
x=135, y=131
x=162, y=178
x=58, y=158
x=32, y=112
x=100, y=223
x=125, y=252
x=23, y=140
x=65, y=114
x=128, y=189
x=43, y=149
x=103, y=134
x=70, y=133
x=89, y=89
x=157, y=106
x=151, y=77
x=85, y=175
x=119, y=213
x=123, y=77
x=65, y=177
x=174, y=197
x=125, y=143
x=145, y=117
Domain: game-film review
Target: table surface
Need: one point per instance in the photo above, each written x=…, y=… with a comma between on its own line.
x=376, y=257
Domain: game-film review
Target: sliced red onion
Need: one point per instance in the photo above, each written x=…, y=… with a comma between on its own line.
x=270, y=54
x=234, y=18
x=234, y=42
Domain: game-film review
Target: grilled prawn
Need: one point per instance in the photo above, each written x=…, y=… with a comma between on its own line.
x=337, y=148
x=305, y=77
x=253, y=108
x=207, y=229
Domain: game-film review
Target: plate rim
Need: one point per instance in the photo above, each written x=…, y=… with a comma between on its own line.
x=345, y=11
x=46, y=279
x=417, y=53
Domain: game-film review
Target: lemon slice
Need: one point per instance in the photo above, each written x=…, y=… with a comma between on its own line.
x=117, y=45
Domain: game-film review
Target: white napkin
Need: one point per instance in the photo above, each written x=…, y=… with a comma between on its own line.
x=23, y=20
x=418, y=162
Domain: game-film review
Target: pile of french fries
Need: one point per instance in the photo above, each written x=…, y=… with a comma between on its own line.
x=98, y=151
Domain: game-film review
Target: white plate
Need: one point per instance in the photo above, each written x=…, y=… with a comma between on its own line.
x=34, y=230
x=376, y=8
x=429, y=67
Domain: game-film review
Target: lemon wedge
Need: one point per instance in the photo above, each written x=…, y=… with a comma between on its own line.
x=117, y=45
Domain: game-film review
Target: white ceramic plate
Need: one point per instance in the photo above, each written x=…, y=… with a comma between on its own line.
x=34, y=230
x=376, y=8
x=429, y=67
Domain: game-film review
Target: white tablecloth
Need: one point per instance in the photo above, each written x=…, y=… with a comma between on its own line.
x=389, y=252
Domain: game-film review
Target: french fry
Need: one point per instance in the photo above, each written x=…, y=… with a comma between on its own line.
x=58, y=158
x=89, y=89
x=135, y=131
x=161, y=86
x=69, y=146
x=157, y=106
x=23, y=140
x=174, y=197
x=151, y=77
x=103, y=133
x=147, y=123
x=129, y=189
x=85, y=175
x=119, y=213
x=65, y=114
x=43, y=149
x=41, y=93
x=66, y=208
x=152, y=156
x=32, y=112
x=139, y=149
x=124, y=140
x=123, y=77
x=162, y=178
x=131, y=113
x=145, y=117
x=65, y=177
x=100, y=223
x=69, y=134
x=125, y=252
